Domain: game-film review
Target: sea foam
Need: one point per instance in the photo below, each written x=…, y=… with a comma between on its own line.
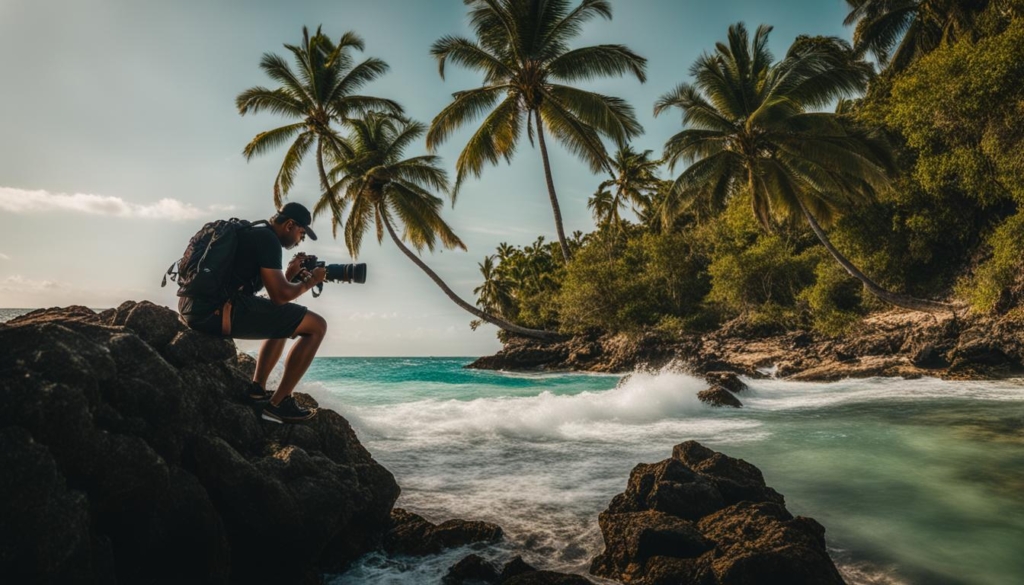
x=641, y=404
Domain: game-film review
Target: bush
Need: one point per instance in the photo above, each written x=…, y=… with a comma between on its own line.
x=634, y=280
x=989, y=289
x=834, y=300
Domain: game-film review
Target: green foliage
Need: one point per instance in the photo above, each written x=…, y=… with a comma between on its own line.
x=834, y=300
x=768, y=273
x=988, y=288
x=959, y=110
x=618, y=280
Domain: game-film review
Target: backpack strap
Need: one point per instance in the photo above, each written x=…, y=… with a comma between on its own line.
x=170, y=272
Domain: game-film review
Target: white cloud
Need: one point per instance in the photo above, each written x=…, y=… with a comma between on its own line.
x=21, y=284
x=371, y=315
x=39, y=201
x=4, y=256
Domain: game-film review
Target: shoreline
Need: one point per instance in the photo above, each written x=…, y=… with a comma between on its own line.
x=889, y=344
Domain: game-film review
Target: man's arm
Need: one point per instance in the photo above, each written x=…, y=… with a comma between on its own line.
x=282, y=291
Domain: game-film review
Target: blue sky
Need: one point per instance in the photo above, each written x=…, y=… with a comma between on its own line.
x=120, y=138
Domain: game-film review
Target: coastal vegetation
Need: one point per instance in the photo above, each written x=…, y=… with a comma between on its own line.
x=917, y=175
x=801, y=192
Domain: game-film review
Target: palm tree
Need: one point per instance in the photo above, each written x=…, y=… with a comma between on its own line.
x=320, y=93
x=522, y=48
x=750, y=126
x=605, y=208
x=634, y=179
x=898, y=32
x=381, y=188
x=494, y=295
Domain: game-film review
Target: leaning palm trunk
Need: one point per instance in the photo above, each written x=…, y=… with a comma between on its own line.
x=534, y=333
x=907, y=302
x=551, y=189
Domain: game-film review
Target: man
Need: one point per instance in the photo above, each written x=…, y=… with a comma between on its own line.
x=258, y=265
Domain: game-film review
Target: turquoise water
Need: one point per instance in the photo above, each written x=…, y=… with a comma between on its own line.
x=916, y=481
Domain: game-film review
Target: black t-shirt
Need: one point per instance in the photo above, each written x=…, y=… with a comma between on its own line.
x=257, y=248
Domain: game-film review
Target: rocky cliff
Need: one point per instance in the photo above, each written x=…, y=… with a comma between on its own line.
x=129, y=455
x=894, y=343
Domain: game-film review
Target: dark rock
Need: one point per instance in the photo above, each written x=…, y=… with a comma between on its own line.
x=411, y=534
x=735, y=479
x=470, y=571
x=728, y=380
x=718, y=396
x=703, y=517
x=514, y=568
x=547, y=578
x=128, y=456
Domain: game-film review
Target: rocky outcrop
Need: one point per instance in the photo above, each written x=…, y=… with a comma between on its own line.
x=718, y=396
x=894, y=343
x=474, y=570
x=703, y=517
x=130, y=455
x=412, y=534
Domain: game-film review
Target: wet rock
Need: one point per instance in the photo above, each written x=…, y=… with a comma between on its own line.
x=728, y=380
x=470, y=571
x=547, y=578
x=703, y=517
x=123, y=460
x=718, y=396
x=412, y=534
x=474, y=570
x=514, y=568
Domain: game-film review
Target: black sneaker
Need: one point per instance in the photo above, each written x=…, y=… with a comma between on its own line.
x=287, y=412
x=256, y=392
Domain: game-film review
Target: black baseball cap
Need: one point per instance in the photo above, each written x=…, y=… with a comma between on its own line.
x=300, y=215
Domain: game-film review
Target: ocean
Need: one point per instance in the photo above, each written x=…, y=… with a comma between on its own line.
x=916, y=481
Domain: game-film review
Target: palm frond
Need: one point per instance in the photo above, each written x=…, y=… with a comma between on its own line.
x=470, y=55
x=277, y=101
x=271, y=139
x=363, y=73
x=589, y=63
x=578, y=137
x=466, y=106
x=495, y=139
x=292, y=161
x=571, y=25
x=611, y=116
x=278, y=69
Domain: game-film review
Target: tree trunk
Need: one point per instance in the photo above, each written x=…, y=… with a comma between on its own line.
x=534, y=333
x=551, y=188
x=907, y=302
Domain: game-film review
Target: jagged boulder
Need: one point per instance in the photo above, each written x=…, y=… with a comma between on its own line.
x=705, y=518
x=474, y=570
x=719, y=396
x=130, y=454
x=412, y=534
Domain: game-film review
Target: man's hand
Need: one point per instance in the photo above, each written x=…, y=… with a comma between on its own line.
x=318, y=275
x=294, y=266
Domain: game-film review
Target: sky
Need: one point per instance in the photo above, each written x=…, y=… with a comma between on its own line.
x=119, y=138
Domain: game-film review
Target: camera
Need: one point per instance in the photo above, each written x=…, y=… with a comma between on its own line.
x=336, y=272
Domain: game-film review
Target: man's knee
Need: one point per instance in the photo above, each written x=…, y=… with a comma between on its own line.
x=312, y=324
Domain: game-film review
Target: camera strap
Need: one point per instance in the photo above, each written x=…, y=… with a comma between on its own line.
x=316, y=290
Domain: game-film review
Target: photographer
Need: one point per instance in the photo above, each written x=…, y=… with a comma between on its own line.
x=257, y=264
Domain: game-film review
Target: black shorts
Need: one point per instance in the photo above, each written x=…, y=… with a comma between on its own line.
x=252, y=317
